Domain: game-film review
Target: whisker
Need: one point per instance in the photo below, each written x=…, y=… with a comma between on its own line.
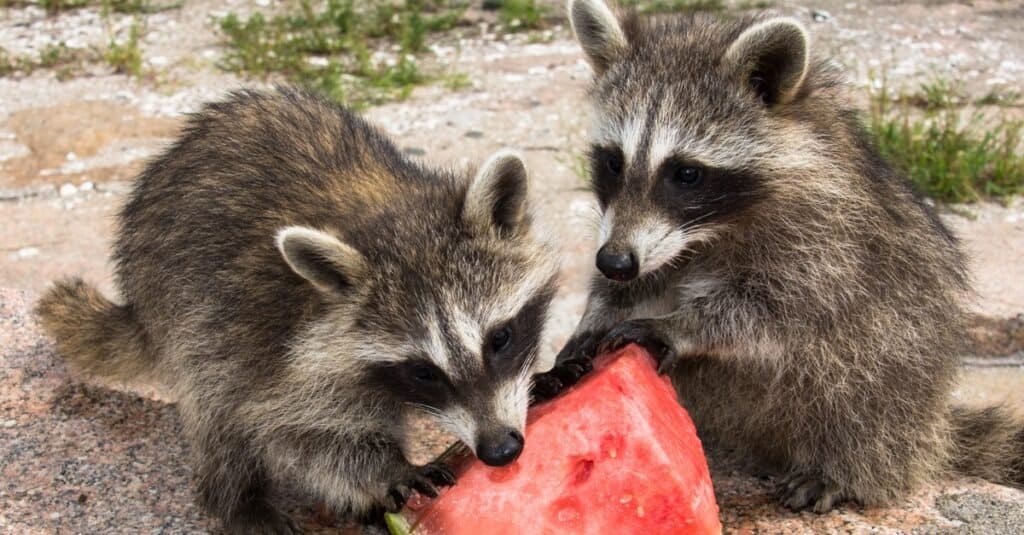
x=689, y=224
x=427, y=409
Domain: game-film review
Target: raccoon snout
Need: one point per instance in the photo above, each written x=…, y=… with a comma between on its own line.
x=617, y=265
x=501, y=449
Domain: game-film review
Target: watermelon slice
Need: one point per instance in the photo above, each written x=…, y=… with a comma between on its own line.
x=615, y=454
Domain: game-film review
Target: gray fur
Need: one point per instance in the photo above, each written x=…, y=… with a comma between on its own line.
x=291, y=275
x=807, y=301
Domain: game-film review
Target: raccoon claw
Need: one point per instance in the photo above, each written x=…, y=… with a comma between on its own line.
x=398, y=494
x=571, y=364
x=580, y=347
x=438, y=474
x=644, y=334
x=549, y=384
x=800, y=491
x=425, y=480
x=544, y=387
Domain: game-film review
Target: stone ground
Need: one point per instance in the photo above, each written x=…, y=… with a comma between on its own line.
x=87, y=458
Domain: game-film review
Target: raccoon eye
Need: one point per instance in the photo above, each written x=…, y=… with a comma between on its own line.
x=500, y=339
x=613, y=163
x=686, y=175
x=424, y=373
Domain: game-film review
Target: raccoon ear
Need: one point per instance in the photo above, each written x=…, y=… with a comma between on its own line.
x=773, y=56
x=496, y=199
x=325, y=261
x=598, y=31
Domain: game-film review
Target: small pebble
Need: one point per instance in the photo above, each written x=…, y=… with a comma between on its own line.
x=68, y=190
x=28, y=252
x=86, y=186
x=820, y=15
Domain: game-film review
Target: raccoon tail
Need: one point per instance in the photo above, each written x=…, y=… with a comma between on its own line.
x=989, y=443
x=94, y=334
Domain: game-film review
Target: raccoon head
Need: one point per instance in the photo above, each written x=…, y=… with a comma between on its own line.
x=441, y=309
x=695, y=118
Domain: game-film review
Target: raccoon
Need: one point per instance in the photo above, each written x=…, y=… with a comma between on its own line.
x=302, y=287
x=803, y=298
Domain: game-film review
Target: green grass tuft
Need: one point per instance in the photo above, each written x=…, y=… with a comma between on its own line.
x=520, y=15
x=456, y=81
x=674, y=6
x=55, y=7
x=126, y=57
x=950, y=153
x=66, y=61
x=327, y=45
x=1004, y=98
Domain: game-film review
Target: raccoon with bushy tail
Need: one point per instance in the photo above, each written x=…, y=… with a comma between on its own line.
x=302, y=286
x=805, y=301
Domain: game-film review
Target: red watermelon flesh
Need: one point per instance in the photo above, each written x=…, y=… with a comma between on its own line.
x=616, y=454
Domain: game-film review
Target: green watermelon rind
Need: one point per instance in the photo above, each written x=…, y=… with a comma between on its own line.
x=397, y=524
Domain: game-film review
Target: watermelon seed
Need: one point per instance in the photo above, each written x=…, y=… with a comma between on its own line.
x=626, y=499
x=640, y=511
x=613, y=453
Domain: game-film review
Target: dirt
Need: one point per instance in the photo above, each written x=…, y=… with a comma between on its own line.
x=73, y=138
x=69, y=148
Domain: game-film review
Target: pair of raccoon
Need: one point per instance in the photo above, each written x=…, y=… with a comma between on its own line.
x=301, y=285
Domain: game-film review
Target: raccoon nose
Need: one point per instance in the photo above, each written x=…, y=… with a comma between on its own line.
x=617, y=266
x=502, y=451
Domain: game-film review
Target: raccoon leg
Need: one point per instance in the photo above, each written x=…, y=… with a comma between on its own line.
x=252, y=513
x=362, y=476
x=257, y=516
x=234, y=487
x=801, y=489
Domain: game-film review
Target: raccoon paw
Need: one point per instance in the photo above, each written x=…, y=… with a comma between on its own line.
x=571, y=364
x=581, y=347
x=644, y=333
x=549, y=384
x=424, y=480
x=801, y=491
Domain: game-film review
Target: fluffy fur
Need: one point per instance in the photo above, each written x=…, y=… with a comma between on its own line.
x=804, y=298
x=301, y=285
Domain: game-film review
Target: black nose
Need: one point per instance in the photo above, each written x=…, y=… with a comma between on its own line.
x=620, y=267
x=502, y=451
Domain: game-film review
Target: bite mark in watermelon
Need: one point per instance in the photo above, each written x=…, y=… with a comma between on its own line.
x=615, y=454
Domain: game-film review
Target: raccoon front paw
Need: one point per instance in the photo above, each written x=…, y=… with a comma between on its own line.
x=801, y=490
x=572, y=363
x=423, y=479
x=551, y=383
x=644, y=333
x=581, y=347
